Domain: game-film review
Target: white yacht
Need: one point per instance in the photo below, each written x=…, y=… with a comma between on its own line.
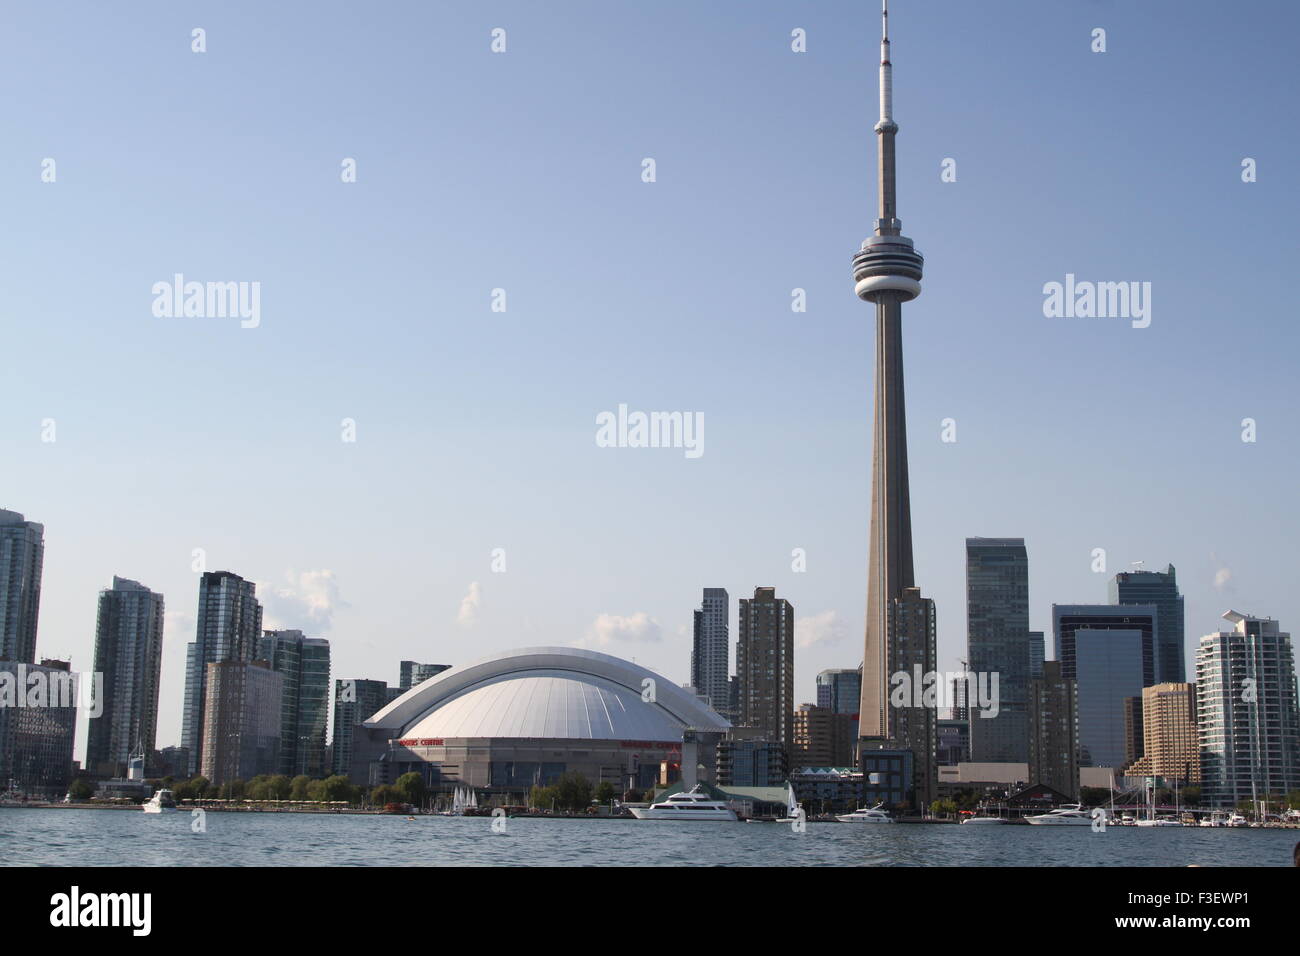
x=1237, y=820
x=983, y=818
x=693, y=804
x=866, y=815
x=162, y=801
x=1072, y=815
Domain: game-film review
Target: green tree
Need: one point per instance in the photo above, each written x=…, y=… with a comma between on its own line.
x=573, y=791
x=81, y=789
x=233, y=790
x=258, y=788
x=411, y=786
x=966, y=799
x=201, y=787
x=298, y=787
x=543, y=798
x=605, y=792
x=943, y=808
x=386, y=794
x=338, y=788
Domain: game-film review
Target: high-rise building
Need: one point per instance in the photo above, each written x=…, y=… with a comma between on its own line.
x=823, y=738
x=711, y=648
x=1247, y=712
x=36, y=742
x=1069, y=618
x=413, y=674
x=961, y=700
x=765, y=662
x=1170, y=737
x=1036, y=654
x=840, y=690
x=355, y=701
x=229, y=627
x=887, y=273
x=241, y=721
x=913, y=720
x=1133, y=733
x=22, y=553
x=304, y=706
x=998, y=642
x=954, y=742
x=1157, y=589
x=128, y=655
x=751, y=762
x=1053, y=742
x=1107, y=671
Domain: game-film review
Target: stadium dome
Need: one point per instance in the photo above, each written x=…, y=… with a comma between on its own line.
x=547, y=692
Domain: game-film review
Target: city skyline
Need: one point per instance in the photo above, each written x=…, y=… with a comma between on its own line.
x=180, y=433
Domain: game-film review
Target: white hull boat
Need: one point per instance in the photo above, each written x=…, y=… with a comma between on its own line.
x=694, y=805
x=866, y=815
x=1071, y=816
x=160, y=802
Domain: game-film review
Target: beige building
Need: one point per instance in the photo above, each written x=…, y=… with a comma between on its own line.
x=242, y=721
x=823, y=738
x=1171, y=743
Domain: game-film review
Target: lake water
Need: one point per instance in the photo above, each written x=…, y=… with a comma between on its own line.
x=129, y=838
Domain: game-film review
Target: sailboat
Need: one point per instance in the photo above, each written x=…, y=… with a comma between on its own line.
x=463, y=799
x=1152, y=820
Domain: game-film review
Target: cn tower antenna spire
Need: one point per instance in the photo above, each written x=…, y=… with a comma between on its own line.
x=886, y=68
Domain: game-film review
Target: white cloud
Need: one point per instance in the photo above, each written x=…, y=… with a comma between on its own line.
x=468, y=614
x=824, y=628
x=607, y=629
x=307, y=603
x=1222, y=575
x=178, y=626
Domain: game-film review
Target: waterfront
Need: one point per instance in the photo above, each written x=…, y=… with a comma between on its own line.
x=95, y=838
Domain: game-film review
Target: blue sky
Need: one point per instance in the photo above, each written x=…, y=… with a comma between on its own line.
x=522, y=171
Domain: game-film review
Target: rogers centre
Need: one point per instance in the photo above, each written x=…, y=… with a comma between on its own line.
x=511, y=721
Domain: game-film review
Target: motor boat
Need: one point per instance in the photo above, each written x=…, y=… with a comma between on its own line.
x=866, y=815
x=979, y=819
x=161, y=802
x=694, y=804
x=1072, y=815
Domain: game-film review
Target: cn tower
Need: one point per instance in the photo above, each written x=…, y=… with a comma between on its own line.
x=887, y=271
